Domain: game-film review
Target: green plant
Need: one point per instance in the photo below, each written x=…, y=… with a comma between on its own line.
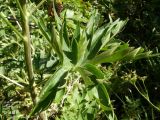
x=82, y=54
x=25, y=36
x=68, y=70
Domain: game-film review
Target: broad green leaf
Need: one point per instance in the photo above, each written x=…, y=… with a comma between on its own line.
x=116, y=29
x=60, y=93
x=113, y=29
x=85, y=76
x=92, y=93
x=91, y=27
x=105, y=108
x=94, y=70
x=102, y=36
x=112, y=24
x=74, y=45
x=105, y=101
x=57, y=19
x=110, y=56
x=43, y=29
x=96, y=42
x=76, y=34
x=90, y=24
x=67, y=63
x=73, y=54
x=64, y=45
x=82, y=48
x=112, y=47
x=65, y=33
x=103, y=95
x=105, y=39
x=74, y=51
x=49, y=90
x=132, y=54
x=144, y=55
x=56, y=44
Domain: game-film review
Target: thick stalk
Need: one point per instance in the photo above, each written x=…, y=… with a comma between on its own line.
x=27, y=50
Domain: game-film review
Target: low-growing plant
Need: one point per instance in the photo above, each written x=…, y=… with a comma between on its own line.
x=80, y=56
x=67, y=75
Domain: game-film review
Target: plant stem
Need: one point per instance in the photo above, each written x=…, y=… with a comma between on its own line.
x=147, y=98
x=12, y=81
x=27, y=50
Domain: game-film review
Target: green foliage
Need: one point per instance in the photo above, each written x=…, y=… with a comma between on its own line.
x=76, y=61
x=81, y=54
